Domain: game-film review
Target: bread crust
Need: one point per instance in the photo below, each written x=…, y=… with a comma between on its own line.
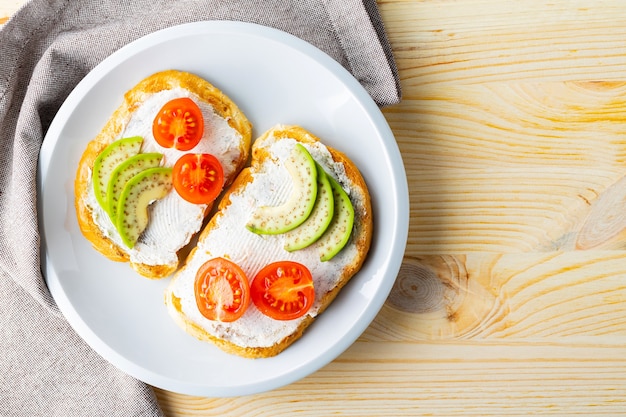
x=361, y=238
x=155, y=83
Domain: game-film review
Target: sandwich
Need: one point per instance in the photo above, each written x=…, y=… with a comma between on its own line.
x=287, y=236
x=145, y=184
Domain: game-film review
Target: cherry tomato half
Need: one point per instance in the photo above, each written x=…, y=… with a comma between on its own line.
x=179, y=124
x=198, y=178
x=222, y=290
x=283, y=290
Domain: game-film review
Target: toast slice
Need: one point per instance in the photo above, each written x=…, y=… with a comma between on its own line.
x=266, y=182
x=173, y=221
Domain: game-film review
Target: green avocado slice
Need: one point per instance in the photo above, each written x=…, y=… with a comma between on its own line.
x=319, y=219
x=107, y=160
x=338, y=233
x=139, y=192
x=274, y=220
x=123, y=173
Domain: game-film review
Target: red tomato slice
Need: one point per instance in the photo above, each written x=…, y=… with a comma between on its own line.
x=179, y=124
x=198, y=178
x=222, y=290
x=283, y=290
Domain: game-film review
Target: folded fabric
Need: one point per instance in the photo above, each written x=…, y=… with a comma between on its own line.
x=47, y=47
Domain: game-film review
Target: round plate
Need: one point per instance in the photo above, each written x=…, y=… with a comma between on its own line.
x=274, y=78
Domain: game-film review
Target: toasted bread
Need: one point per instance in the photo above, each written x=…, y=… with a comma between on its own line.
x=255, y=335
x=227, y=135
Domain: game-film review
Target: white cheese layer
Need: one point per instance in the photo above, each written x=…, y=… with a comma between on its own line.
x=231, y=239
x=173, y=221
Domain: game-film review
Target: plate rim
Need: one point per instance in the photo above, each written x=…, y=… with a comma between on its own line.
x=364, y=100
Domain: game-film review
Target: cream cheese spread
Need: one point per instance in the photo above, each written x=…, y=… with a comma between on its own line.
x=229, y=238
x=173, y=221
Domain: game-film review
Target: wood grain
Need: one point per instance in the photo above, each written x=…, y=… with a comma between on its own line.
x=503, y=167
x=511, y=298
x=478, y=41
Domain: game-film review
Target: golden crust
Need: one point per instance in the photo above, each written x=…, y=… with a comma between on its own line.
x=175, y=310
x=362, y=236
x=132, y=100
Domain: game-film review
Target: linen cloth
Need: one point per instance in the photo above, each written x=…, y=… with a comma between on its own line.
x=46, y=48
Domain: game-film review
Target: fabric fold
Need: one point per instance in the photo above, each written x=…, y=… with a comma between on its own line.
x=364, y=43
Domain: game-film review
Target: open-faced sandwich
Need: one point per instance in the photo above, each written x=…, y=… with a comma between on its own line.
x=146, y=182
x=289, y=233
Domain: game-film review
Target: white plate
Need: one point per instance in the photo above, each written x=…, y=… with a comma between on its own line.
x=274, y=78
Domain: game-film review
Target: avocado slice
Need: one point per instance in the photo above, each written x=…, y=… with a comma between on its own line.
x=139, y=192
x=338, y=233
x=106, y=161
x=123, y=173
x=319, y=219
x=274, y=220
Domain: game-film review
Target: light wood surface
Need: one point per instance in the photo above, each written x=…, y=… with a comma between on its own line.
x=512, y=296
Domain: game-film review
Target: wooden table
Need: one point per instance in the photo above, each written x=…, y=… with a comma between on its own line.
x=512, y=297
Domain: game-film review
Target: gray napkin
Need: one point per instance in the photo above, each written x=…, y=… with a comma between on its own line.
x=45, y=50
